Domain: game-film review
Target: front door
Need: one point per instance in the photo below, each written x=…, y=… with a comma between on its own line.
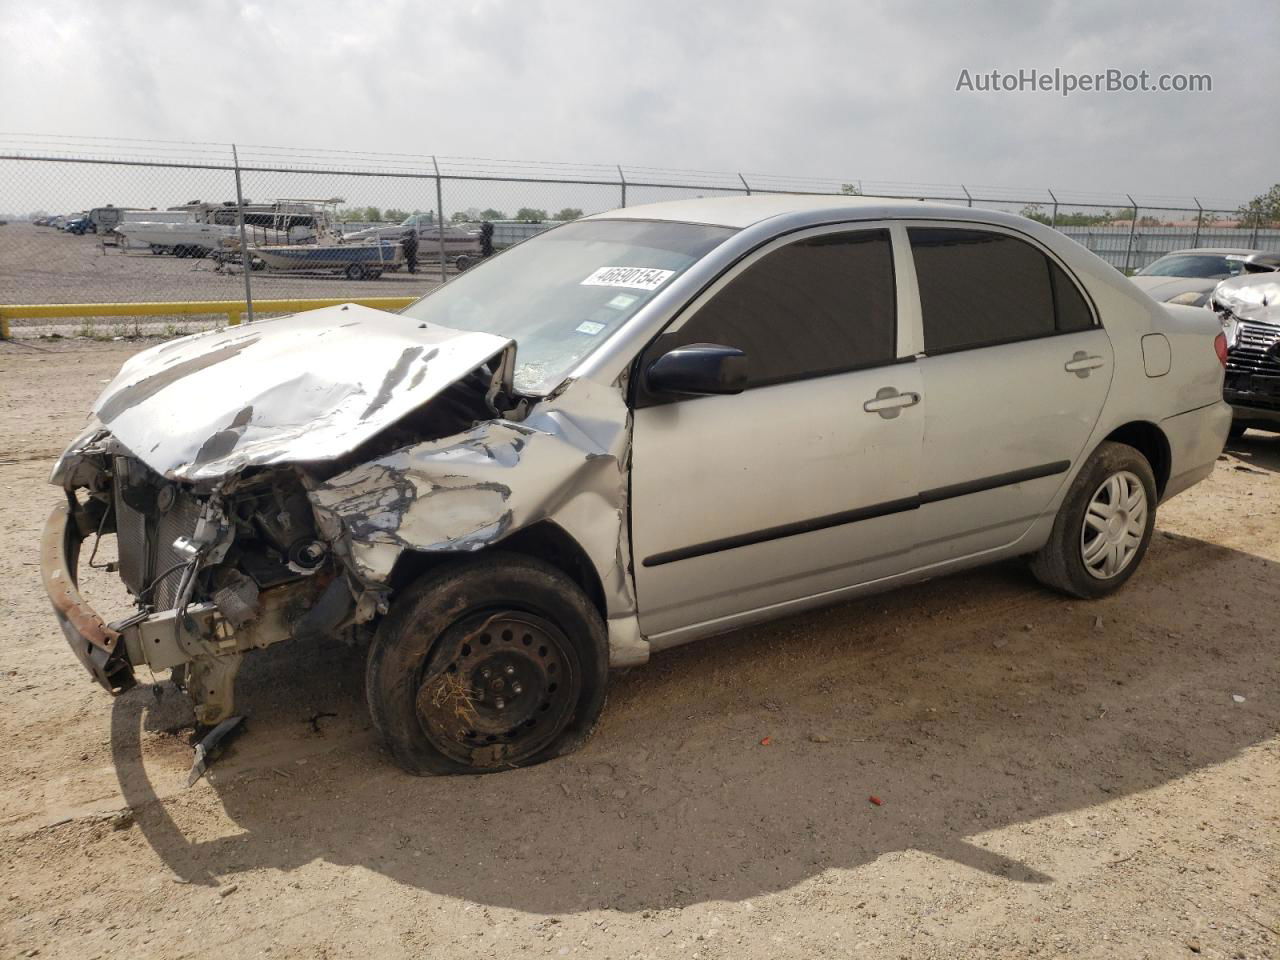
x=803, y=484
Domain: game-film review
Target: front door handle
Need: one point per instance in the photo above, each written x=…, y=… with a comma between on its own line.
x=1081, y=363
x=888, y=402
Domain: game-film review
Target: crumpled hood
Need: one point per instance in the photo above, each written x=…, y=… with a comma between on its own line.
x=306, y=387
x=1166, y=288
x=1251, y=296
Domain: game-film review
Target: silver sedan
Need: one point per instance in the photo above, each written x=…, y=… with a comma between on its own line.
x=629, y=432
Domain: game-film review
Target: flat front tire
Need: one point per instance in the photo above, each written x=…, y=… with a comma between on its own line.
x=1104, y=525
x=486, y=664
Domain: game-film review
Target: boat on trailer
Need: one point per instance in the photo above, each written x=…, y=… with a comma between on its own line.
x=356, y=261
x=199, y=229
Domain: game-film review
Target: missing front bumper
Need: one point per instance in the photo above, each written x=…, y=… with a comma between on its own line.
x=92, y=640
x=199, y=639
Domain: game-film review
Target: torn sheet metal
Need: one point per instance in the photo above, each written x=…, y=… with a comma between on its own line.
x=1250, y=296
x=565, y=462
x=307, y=387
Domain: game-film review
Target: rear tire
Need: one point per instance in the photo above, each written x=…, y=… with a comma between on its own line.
x=355, y=271
x=1104, y=526
x=486, y=664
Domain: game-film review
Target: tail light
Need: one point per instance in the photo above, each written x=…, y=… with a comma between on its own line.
x=1220, y=348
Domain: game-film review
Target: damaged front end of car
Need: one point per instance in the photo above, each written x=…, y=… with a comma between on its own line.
x=214, y=572
x=266, y=483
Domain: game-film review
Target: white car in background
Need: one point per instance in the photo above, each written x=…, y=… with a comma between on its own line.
x=1188, y=276
x=1249, y=308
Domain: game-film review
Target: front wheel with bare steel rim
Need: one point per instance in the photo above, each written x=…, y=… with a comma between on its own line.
x=486, y=664
x=1104, y=525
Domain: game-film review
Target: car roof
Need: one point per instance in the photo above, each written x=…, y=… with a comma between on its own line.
x=1213, y=251
x=741, y=212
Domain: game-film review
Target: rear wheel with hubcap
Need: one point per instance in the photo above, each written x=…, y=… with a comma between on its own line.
x=487, y=664
x=1104, y=525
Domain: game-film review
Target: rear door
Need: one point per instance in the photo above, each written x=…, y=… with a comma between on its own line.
x=1015, y=370
x=803, y=484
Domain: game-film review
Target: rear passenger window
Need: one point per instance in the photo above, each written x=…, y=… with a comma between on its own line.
x=1068, y=303
x=979, y=288
x=814, y=307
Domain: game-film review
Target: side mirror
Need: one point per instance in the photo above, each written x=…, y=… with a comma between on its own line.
x=698, y=370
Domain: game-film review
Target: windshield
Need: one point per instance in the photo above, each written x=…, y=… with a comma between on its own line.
x=1210, y=266
x=562, y=293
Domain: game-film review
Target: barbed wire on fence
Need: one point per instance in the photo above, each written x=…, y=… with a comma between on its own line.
x=166, y=221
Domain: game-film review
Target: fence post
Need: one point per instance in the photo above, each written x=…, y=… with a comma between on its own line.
x=246, y=258
x=1133, y=226
x=1257, y=222
x=622, y=179
x=440, y=218
x=1053, y=217
x=745, y=186
x=967, y=197
x=1195, y=241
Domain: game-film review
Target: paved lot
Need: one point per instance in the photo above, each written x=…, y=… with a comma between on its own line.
x=1057, y=778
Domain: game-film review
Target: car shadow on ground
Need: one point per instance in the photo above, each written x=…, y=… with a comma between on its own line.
x=964, y=706
x=1258, y=449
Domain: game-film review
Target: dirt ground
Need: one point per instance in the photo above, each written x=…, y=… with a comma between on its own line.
x=43, y=265
x=1052, y=778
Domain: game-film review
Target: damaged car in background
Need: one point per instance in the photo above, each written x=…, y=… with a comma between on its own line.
x=1249, y=308
x=629, y=432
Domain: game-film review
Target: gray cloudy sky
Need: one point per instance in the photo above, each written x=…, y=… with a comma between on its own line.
x=805, y=87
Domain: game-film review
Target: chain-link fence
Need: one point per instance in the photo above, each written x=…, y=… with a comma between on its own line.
x=114, y=238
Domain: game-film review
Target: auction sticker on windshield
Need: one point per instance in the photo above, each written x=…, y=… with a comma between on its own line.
x=637, y=278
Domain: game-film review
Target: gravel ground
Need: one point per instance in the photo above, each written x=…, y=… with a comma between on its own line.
x=43, y=265
x=1052, y=778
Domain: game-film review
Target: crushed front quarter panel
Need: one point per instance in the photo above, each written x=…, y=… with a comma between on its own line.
x=302, y=388
x=565, y=462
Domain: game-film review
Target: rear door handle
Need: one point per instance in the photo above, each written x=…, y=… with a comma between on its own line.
x=1081, y=363
x=888, y=402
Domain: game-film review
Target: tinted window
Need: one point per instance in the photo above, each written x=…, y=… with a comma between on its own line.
x=980, y=288
x=1068, y=303
x=813, y=307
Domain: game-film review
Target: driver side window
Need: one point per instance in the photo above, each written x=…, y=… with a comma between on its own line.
x=815, y=307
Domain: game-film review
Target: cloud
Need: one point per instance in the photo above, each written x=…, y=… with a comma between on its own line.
x=808, y=88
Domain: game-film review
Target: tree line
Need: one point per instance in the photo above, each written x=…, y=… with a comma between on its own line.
x=470, y=215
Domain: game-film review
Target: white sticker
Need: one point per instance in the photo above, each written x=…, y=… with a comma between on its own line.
x=589, y=326
x=638, y=278
x=622, y=301
x=1235, y=256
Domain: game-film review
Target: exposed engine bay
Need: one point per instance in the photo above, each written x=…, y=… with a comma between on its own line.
x=263, y=484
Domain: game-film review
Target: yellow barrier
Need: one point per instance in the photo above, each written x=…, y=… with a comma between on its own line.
x=234, y=309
